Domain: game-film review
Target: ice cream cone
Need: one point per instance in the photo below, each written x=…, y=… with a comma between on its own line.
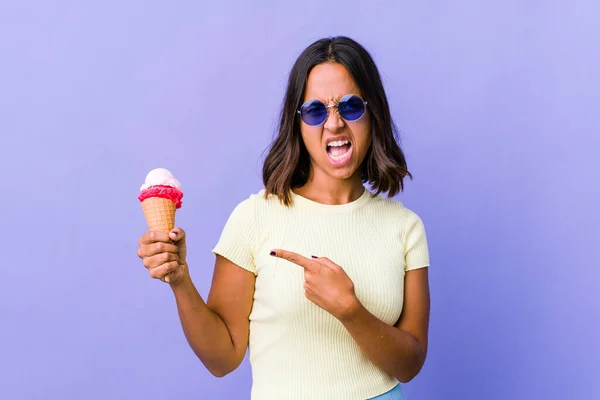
x=160, y=197
x=159, y=214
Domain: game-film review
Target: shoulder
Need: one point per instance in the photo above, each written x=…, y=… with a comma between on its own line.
x=256, y=202
x=394, y=210
x=260, y=199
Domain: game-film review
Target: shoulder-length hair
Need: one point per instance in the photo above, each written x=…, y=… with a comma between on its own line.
x=287, y=164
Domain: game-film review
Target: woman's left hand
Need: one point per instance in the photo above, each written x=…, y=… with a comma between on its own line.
x=325, y=283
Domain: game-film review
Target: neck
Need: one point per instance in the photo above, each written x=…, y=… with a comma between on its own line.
x=328, y=190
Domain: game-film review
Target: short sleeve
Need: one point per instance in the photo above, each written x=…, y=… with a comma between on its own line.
x=415, y=242
x=238, y=238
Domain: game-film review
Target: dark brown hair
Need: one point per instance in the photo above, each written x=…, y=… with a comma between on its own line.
x=287, y=164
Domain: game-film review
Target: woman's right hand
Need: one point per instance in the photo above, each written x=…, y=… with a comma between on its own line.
x=164, y=254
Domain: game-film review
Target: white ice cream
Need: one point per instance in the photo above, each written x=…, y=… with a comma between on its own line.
x=160, y=176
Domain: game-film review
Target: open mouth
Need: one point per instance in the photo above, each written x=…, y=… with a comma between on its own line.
x=339, y=151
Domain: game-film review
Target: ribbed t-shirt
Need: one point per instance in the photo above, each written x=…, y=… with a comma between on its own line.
x=296, y=349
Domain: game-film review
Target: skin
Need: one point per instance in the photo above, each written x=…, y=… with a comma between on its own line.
x=217, y=330
x=328, y=184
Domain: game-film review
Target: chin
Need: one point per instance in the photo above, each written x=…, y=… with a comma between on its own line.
x=342, y=173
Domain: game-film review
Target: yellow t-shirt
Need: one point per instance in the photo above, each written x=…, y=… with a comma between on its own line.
x=296, y=349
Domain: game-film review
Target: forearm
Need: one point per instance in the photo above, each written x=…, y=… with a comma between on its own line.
x=394, y=351
x=204, y=330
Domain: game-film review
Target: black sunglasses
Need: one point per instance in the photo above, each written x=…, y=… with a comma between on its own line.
x=351, y=108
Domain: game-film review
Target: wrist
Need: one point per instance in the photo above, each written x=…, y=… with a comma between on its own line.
x=182, y=279
x=351, y=309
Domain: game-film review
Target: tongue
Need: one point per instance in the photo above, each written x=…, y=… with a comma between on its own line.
x=337, y=151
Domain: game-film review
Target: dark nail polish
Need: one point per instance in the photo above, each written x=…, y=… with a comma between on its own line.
x=314, y=257
x=272, y=253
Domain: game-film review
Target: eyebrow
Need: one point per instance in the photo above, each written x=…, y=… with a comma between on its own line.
x=334, y=99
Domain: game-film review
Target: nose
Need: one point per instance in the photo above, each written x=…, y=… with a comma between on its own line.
x=334, y=121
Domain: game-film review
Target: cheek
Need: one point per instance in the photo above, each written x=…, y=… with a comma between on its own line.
x=312, y=139
x=363, y=137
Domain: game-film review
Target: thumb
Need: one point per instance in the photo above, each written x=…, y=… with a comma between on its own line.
x=177, y=235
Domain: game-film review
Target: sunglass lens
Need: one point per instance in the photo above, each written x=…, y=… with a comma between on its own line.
x=313, y=112
x=351, y=108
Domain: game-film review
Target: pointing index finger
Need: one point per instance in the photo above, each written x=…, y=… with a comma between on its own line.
x=295, y=258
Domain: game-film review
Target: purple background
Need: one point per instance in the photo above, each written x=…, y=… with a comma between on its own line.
x=498, y=107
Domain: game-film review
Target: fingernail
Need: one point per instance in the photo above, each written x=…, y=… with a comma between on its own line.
x=174, y=233
x=272, y=253
x=314, y=257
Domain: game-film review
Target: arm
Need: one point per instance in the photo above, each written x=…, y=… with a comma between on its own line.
x=399, y=350
x=217, y=331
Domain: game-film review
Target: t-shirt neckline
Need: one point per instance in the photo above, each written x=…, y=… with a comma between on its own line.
x=304, y=202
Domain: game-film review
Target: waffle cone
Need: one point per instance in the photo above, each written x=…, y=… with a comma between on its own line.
x=159, y=214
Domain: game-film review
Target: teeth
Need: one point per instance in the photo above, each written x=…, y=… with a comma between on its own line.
x=338, y=143
x=341, y=156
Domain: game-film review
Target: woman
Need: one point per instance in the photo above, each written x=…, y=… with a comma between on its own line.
x=324, y=281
